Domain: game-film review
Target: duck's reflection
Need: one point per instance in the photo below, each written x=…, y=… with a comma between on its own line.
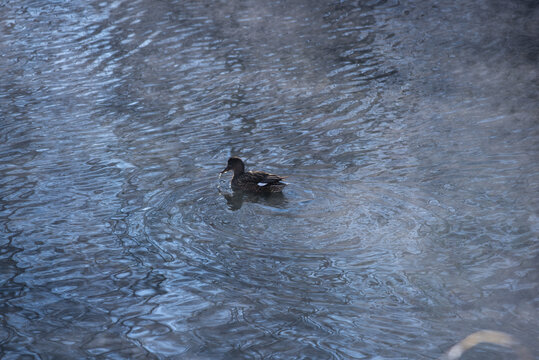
x=236, y=199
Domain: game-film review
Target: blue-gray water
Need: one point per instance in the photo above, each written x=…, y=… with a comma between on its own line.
x=408, y=131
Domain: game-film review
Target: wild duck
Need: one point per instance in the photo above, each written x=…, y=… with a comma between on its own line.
x=252, y=181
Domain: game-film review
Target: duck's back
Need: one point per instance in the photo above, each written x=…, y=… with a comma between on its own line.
x=258, y=181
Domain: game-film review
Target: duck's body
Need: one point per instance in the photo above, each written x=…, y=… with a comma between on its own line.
x=253, y=181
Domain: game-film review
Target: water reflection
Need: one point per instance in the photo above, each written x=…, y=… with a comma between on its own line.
x=236, y=199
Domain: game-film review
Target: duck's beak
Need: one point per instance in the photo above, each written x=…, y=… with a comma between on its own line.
x=226, y=169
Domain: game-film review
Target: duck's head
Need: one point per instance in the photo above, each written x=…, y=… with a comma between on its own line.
x=235, y=164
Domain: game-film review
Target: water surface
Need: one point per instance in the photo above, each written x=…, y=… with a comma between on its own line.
x=408, y=132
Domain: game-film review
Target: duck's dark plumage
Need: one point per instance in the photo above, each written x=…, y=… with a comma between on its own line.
x=253, y=181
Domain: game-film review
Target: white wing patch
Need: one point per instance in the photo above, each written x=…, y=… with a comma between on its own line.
x=262, y=184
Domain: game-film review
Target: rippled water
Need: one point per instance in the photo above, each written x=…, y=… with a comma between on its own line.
x=408, y=132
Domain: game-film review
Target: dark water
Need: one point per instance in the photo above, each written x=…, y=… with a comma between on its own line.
x=408, y=131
